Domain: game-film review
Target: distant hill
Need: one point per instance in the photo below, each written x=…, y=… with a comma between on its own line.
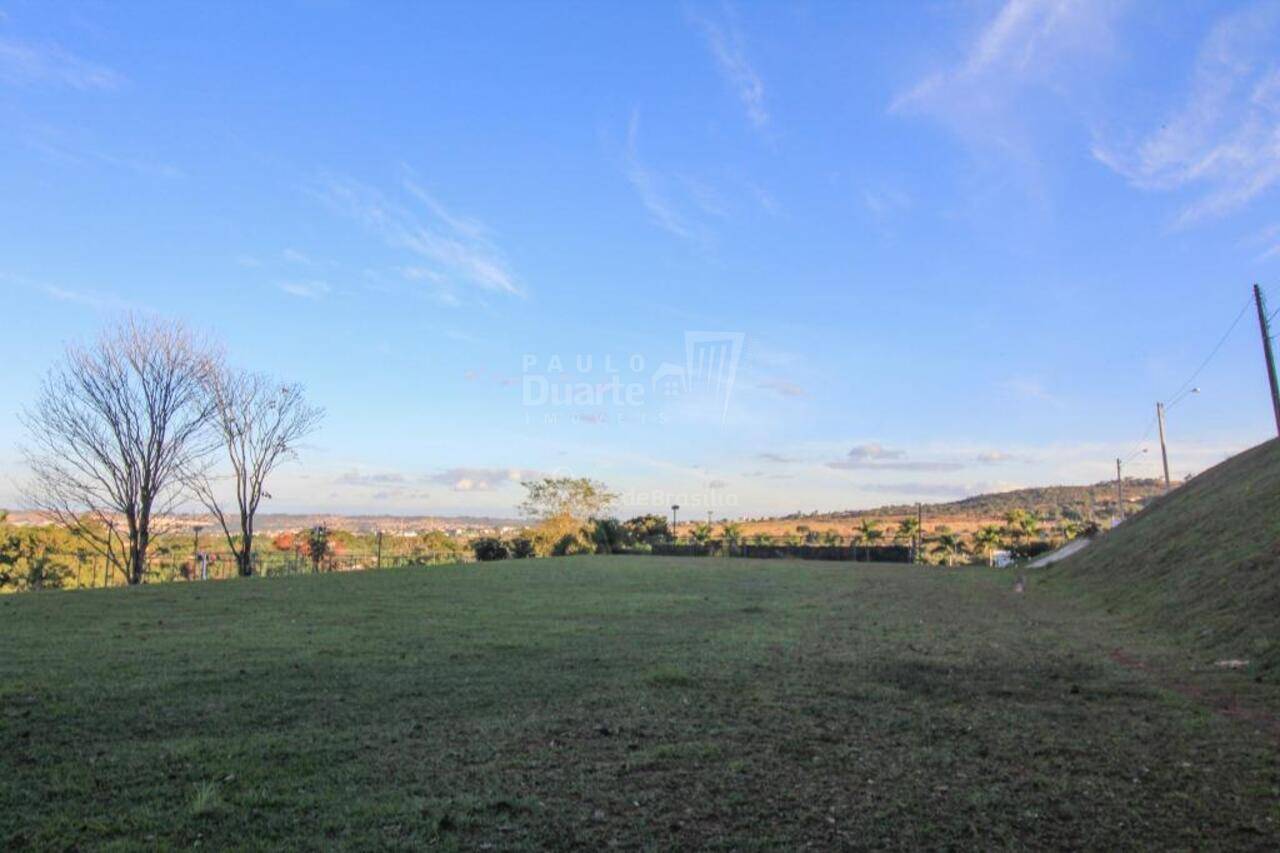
x=1201, y=564
x=1045, y=501
x=275, y=522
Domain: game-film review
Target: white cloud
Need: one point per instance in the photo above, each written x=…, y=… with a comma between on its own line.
x=727, y=46
x=479, y=479
x=27, y=62
x=1225, y=140
x=863, y=452
x=453, y=245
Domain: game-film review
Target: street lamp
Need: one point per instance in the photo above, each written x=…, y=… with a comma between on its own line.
x=674, y=509
x=1161, y=408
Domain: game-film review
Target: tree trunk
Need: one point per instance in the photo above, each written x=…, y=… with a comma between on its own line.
x=244, y=557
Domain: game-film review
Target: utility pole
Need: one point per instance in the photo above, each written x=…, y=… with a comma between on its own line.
x=674, y=509
x=379, y=557
x=1119, y=495
x=1265, y=327
x=915, y=543
x=1164, y=452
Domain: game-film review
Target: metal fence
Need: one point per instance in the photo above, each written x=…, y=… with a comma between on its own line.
x=87, y=571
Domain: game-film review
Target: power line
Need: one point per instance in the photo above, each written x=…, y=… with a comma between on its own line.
x=1186, y=386
x=1216, y=348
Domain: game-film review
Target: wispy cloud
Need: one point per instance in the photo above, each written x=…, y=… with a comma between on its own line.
x=648, y=185
x=459, y=248
x=87, y=298
x=1267, y=241
x=779, y=458
x=305, y=289
x=876, y=457
x=1028, y=45
x=356, y=478
x=1225, y=140
x=24, y=62
x=727, y=45
x=1030, y=388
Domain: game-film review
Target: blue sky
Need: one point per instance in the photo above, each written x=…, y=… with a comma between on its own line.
x=960, y=246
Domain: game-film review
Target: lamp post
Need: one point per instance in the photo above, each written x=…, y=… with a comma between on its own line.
x=674, y=509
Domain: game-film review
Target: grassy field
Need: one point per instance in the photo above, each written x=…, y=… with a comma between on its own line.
x=637, y=701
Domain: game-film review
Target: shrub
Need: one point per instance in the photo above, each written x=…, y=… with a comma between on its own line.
x=648, y=529
x=490, y=548
x=609, y=535
x=522, y=548
x=574, y=543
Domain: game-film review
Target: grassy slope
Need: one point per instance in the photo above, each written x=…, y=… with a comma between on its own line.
x=583, y=701
x=1201, y=565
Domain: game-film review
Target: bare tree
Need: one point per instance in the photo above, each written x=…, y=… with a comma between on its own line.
x=260, y=423
x=114, y=426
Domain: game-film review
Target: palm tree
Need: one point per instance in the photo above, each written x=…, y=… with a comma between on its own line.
x=987, y=539
x=948, y=544
x=702, y=533
x=1069, y=528
x=855, y=539
x=1013, y=524
x=731, y=532
x=763, y=539
x=908, y=531
x=869, y=532
x=830, y=538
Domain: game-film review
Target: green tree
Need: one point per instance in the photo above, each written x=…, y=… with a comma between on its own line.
x=830, y=538
x=609, y=535
x=702, y=533
x=987, y=539
x=318, y=545
x=948, y=544
x=869, y=533
x=578, y=498
x=731, y=532
x=648, y=529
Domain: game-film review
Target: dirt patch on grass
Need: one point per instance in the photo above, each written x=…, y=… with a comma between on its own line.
x=1220, y=702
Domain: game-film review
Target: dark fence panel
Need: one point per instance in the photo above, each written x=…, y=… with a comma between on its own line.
x=848, y=553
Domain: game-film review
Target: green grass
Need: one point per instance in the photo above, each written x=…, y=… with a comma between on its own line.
x=1200, y=565
x=580, y=702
